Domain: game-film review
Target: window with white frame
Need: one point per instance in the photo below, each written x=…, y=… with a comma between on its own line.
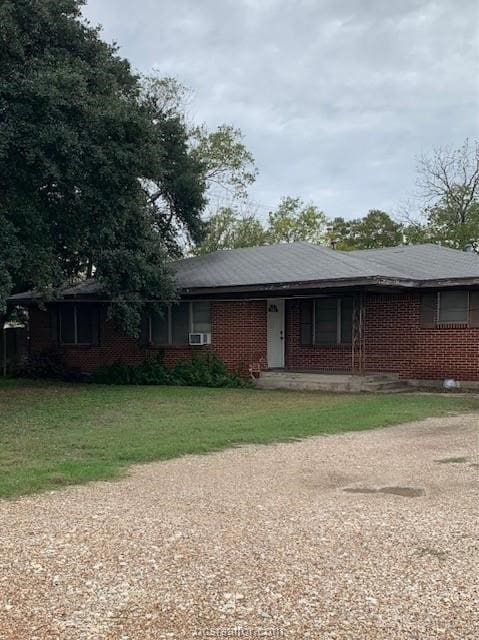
x=78, y=323
x=177, y=321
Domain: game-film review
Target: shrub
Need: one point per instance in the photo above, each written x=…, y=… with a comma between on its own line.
x=48, y=364
x=202, y=370
x=117, y=373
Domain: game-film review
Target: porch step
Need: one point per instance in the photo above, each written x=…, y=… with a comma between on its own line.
x=340, y=383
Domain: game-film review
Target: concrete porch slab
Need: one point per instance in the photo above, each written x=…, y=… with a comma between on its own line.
x=333, y=382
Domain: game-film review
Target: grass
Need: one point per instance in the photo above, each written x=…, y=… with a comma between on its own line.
x=57, y=434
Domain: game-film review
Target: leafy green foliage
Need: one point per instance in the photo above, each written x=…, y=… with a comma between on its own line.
x=228, y=230
x=80, y=145
x=377, y=229
x=227, y=166
x=149, y=372
x=226, y=160
x=446, y=224
x=294, y=220
x=415, y=232
x=201, y=370
x=448, y=181
x=176, y=186
x=49, y=365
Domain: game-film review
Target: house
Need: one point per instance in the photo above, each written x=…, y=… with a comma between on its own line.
x=412, y=311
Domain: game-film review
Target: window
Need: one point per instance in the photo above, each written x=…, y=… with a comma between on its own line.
x=327, y=321
x=67, y=324
x=78, y=323
x=201, y=317
x=159, y=328
x=177, y=321
x=180, y=323
x=347, y=307
x=453, y=307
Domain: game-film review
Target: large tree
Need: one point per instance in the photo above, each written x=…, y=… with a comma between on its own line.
x=293, y=220
x=227, y=163
x=228, y=166
x=448, y=181
x=80, y=148
x=376, y=229
x=228, y=229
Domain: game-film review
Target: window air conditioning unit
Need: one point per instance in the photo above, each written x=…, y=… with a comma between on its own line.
x=200, y=338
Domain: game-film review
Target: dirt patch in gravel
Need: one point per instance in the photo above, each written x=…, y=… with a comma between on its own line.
x=405, y=492
x=259, y=538
x=452, y=460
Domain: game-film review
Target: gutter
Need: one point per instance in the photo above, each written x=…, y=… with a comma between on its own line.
x=378, y=281
x=279, y=288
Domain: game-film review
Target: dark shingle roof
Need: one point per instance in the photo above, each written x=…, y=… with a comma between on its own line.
x=301, y=262
x=273, y=264
x=424, y=261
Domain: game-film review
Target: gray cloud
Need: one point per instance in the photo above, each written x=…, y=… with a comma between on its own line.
x=335, y=98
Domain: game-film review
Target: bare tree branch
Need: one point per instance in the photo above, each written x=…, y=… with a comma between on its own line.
x=448, y=182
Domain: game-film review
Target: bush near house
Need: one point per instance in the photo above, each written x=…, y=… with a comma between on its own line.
x=202, y=370
x=48, y=365
x=205, y=370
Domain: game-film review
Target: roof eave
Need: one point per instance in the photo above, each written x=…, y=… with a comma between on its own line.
x=440, y=283
x=379, y=281
x=307, y=284
x=278, y=287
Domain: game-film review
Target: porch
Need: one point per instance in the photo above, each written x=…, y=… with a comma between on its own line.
x=331, y=382
x=320, y=333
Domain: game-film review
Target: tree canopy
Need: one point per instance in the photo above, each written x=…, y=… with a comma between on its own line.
x=227, y=229
x=81, y=147
x=294, y=220
x=448, y=181
x=376, y=229
x=228, y=167
x=101, y=173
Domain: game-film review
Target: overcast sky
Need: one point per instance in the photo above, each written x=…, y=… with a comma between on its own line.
x=336, y=98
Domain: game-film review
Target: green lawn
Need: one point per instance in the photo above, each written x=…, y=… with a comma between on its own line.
x=59, y=434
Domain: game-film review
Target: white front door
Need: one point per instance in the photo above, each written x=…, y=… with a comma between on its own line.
x=275, y=333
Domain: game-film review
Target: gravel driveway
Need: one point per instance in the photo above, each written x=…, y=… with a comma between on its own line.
x=261, y=537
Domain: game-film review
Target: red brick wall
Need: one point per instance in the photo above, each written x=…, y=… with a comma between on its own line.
x=238, y=332
x=394, y=342
x=394, y=339
x=391, y=325
x=322, y=358
x=238, y=338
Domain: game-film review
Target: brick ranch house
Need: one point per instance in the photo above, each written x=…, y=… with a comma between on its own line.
x=412, y=311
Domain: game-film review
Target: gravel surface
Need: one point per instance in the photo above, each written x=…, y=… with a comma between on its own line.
x=258, y=541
